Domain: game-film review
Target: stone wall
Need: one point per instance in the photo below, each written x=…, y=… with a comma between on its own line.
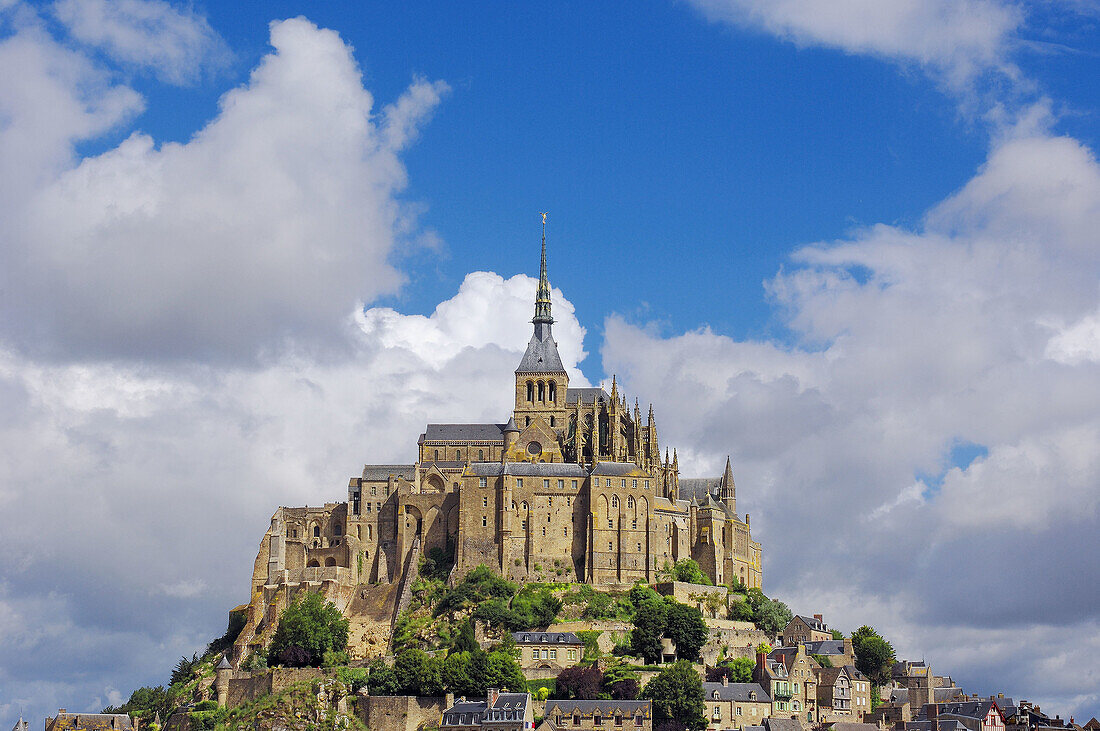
x=732, y=638
x=400, y=712
x=245, y=686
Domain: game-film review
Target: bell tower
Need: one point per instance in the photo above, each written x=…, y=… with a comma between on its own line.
x=541, y=380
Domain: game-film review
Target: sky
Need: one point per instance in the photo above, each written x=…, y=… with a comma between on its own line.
x=246, y=248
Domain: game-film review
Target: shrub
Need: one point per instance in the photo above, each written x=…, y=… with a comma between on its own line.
x=581, y=682
x=334, y=658
x=354, y=678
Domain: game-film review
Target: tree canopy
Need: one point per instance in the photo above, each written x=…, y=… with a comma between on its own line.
x=874, y=655
x=684, y=626
x=677, y=695
x=308, y=628
x=649, y=628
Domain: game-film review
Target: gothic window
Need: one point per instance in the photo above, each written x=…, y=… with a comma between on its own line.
x=437, y=455
x=530, y=391
x=629, y=501
x=553, y=395
x=370, y=532
x=614, y=501
x=524, y=505
x=527, y=421
x=542, y=391
x=316, y=531
x=337, y=530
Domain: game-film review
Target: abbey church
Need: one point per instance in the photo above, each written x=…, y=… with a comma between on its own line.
x=570, y=487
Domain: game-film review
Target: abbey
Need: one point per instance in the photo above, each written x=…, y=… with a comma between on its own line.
x=570, y=487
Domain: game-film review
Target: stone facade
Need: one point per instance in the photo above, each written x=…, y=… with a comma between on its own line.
x=598, y=715
x=735, y=705
x=400, y=712
x=548, y=650
x=572, y=487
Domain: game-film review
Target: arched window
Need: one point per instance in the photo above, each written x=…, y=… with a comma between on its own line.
x=330, y=561
x=542, y=391
x=337, y=529
x=530, y=391
x=437, y=455
x=370, y=532
x=629, y=501
x=316, y=531
x=523, y=505
x=614, y=501
x=553, y=392
x=313, y=564
x=795, y=706
x=481, y=455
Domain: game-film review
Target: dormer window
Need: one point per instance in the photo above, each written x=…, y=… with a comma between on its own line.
x=716, y=695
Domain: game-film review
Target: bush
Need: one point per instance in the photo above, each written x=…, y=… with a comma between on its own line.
x=334, y=658
x=738, y=669
x=591, y=640
x=478, y=585
x=677, y=695
x=354, y=678
x=381, y=679
x=205, y=706
x=581, y=682
x=311, y=626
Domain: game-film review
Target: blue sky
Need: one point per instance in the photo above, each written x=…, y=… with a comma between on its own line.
x=849, y=243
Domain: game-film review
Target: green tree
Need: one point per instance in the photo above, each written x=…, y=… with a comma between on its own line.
x=649, y=628
x=837, y=634
x=684, y=626
x=183, y=670
x=146, y=702
x=502, y=671
x=311, y=624
x=772, y=616
x=677, y=695
x=465, y=641
x=874, y=655
x=737, y=669
x=687, y=570
x=456, y=674
x=418, y=673
x=381, y=679
x=742, y=611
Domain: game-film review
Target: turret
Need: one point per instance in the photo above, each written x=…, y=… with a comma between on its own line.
x=221, y=681
x=511, y=433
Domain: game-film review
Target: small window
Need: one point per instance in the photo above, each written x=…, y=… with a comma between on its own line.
x=483, y=482
x=519, y=482
x=561, y=484
x=639, y=548
x=637, y=720
x=530, y=391
x=481, y=454
x=634, y=484
x=338, y=530
x=484, y=502
x=618, y=720
x=717, y=713
x=551, y=421
x=610, y=545
x=610, y=524
x=544, y=531
x=484, y=521
x=550, y=502
x=596, y=720
x=374, y=490
x=595, y=482
x=458, y=455
x=738, y=710
x=553, y=654
x=527, y=421
x=379, y=506
x=546, y=484
x=576, y=719
x=565, y=532
x=368, y=507
x=573, y=484
x=316, y=531
x=646, y=484
x=634, y=524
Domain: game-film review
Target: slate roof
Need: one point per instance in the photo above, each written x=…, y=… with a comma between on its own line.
x=383, y=471
x=545, y=469
x=825, y=647
x=606, y=708
x=735, y=692
x=962, y=709
x=814, y=623
x=782, y=724
x=557, y=638
x=617, y=469
x=91, y=721
x=541, y=355
x=697, y=487
x=586, y=395
x=943, y=695
x=463, y=433
x=509, y=707
x=224, y=664
x=853, y=726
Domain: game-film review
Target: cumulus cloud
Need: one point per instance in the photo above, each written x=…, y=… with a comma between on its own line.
x=977, y=328
x=267, y=226
x=161, y=477
x=176, y=44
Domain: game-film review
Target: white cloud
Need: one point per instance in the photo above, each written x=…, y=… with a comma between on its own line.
x=177, y=44
x=956, y=40
x=270, y=224
x=161, y=478
x=907, y=343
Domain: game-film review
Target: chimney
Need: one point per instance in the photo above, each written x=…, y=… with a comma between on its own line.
x=491, y=696
x=725, y=680
x=449, y=700
x=819, y=618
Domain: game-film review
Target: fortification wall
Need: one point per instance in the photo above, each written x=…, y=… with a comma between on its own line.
x=400, y=712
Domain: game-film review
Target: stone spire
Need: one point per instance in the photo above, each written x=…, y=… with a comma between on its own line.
x=728, y=490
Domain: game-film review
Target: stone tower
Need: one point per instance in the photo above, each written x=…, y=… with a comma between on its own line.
x=541, y=380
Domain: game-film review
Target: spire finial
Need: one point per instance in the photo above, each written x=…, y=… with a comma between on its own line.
x=542, y=297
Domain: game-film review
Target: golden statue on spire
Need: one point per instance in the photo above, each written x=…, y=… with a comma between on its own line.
x=543, y=214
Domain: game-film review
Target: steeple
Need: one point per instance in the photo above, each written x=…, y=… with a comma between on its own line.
x=542, y=352
x=542, y=297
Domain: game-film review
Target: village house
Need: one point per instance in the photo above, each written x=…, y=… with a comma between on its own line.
x=548, y=649
x=598, y=715
x=843, y=694
x=498, y=712
x=735, y=705
x=805, y=629
x=969, y=715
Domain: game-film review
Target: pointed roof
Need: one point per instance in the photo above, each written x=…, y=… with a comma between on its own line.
x=727, y=476
x=224, y=664
x=542, y=352
x=510, y=426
